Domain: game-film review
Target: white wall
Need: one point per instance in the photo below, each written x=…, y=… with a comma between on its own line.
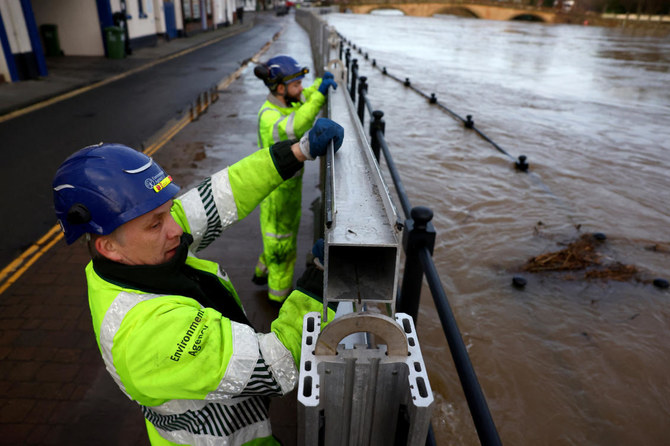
x=138, y=26
x=179, y=14
x=78, y=24
x=4, y=69
x=15, y=26
x=249, y=5
x=223, y=11
x=159, y=15
x=17, y=33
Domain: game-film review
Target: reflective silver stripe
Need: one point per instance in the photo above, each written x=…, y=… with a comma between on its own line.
x=213, y=423
x=279, y=236
x=275, y=130
x=288, y=128
x=241, y=364
x=261, y=267
x=279, y=360
x=123, y=303
x=260, y=116
x=290, y=131
x=196, y=215
x=224, y=199
x=280, y=293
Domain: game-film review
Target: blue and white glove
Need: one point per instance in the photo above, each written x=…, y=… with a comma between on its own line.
x=326, y=83
x=328, y=75
x=315, y=142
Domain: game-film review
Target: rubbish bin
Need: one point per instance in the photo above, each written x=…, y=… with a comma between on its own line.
x=49, y=34
x=116, y=45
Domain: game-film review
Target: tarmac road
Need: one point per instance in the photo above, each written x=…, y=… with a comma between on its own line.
x=129, y=110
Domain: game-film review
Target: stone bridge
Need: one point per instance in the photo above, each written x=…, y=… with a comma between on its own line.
x=490, y=11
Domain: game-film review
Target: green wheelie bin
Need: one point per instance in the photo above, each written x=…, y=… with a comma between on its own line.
x=116, y=45
x=49, y=34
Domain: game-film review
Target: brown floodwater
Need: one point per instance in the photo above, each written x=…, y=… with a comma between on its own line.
x=567, y=360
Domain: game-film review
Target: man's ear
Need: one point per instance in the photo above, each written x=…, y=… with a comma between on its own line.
x=281, y=89
x=108, y=247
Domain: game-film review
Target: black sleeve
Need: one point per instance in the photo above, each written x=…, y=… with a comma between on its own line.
x=285, y=161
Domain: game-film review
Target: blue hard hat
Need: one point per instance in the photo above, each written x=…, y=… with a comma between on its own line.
x=284, y=69
x=101, y=187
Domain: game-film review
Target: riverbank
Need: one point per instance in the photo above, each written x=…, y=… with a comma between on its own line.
x=630, y=21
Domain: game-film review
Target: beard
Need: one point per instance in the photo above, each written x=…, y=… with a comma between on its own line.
x=291, y=99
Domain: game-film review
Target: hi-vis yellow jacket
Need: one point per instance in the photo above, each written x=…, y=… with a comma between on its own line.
x=277, y=122
x=200, y=377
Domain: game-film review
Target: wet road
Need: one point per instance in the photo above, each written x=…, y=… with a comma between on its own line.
x=129, y=111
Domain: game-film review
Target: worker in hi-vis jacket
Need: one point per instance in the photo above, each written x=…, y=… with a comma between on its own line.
x=170, y=326
x=288, y=112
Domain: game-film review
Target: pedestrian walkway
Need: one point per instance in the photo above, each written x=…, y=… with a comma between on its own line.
x=54, y=389
x=69, y=73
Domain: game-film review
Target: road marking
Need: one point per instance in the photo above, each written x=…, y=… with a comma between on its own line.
x=12, y=272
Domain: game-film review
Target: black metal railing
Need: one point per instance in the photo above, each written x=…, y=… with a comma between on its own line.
x=418, y=243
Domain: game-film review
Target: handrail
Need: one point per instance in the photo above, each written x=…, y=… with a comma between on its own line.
x=419, y=239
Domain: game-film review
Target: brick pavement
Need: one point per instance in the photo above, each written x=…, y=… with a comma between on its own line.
x=54, y=389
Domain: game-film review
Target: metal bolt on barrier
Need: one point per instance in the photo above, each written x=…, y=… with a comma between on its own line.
x=432, y=99
x=407, y=84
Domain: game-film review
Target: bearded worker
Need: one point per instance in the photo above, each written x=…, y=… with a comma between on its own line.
x=288, y=112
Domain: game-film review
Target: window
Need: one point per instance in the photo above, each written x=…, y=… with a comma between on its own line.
x=140, y=8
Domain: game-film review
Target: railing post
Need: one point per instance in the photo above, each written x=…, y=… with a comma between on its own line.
x=341, y=48
x=419, y=233
x=354, y=79
x=376, y=124
x=362, y=91
x=347, y=58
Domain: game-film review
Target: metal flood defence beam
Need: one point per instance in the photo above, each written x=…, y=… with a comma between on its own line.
x=375, y=392
x=362, y=234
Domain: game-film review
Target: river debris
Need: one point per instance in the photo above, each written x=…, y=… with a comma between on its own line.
x=582, y=256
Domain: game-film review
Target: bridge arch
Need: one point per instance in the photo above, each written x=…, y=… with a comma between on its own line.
x=460, y=11
x=527, y=18
x=387, y=8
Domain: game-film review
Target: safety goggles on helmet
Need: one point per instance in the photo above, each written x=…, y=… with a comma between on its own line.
x=101, y=187
x=291, y=77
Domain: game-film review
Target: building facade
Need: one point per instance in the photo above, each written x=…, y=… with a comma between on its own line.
x=33, y=30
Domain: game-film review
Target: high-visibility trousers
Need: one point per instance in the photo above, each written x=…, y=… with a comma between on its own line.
x=280, y=220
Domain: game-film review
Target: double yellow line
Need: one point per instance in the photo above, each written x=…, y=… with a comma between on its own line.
x=12, y=272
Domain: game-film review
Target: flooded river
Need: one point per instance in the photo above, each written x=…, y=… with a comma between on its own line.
x=566, y=360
